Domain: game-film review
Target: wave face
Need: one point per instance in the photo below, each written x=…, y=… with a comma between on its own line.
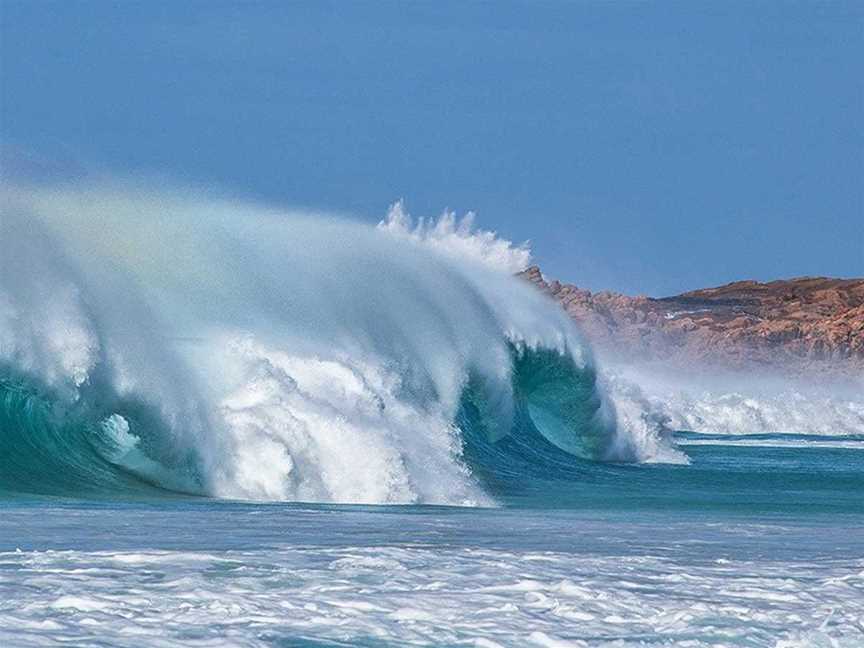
x=164, y=342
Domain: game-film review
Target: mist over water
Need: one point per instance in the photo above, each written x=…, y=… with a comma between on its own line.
x=209, y=346
x=712, y=401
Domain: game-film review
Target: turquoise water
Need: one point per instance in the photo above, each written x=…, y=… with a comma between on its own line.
x=749, y=545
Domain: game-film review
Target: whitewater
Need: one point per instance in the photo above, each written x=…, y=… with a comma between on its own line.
x=228, y=423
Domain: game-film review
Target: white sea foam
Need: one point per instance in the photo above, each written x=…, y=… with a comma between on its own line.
x=787, y=411
x=298, y=355
x=423, y=596
x=771, y=442
x=739, y=404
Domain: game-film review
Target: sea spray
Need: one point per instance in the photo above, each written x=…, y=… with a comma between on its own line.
x=236, y=350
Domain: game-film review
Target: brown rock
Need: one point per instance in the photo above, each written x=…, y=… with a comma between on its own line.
x=797, y=324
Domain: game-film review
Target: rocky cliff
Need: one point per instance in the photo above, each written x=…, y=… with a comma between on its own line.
x=797, y=324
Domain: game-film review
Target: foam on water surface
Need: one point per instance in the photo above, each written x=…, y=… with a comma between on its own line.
x=434, y=578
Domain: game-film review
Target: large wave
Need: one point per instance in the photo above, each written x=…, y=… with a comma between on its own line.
x=170, y=341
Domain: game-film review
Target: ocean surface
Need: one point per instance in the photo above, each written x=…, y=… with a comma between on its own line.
x=224, y=424
x=757, y=542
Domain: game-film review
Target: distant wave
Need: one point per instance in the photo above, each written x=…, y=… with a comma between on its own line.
x=773, y=440
x=786, y=411
x=742, y=404
x=167, y=342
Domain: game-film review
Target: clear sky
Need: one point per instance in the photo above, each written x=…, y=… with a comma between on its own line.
x=648, y=147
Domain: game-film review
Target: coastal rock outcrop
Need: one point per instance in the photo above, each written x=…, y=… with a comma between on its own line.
x=802, y=323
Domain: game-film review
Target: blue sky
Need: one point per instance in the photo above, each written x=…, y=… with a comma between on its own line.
x=649, y=147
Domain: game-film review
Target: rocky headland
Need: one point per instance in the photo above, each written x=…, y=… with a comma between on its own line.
x=802, y=324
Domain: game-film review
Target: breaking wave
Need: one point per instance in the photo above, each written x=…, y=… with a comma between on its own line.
x=169, y=342
x=740, y=404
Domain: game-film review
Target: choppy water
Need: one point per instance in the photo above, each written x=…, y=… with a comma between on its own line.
x=746, y=546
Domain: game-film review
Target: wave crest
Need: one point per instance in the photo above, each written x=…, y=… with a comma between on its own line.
x=224, y=349
x=457, y=238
